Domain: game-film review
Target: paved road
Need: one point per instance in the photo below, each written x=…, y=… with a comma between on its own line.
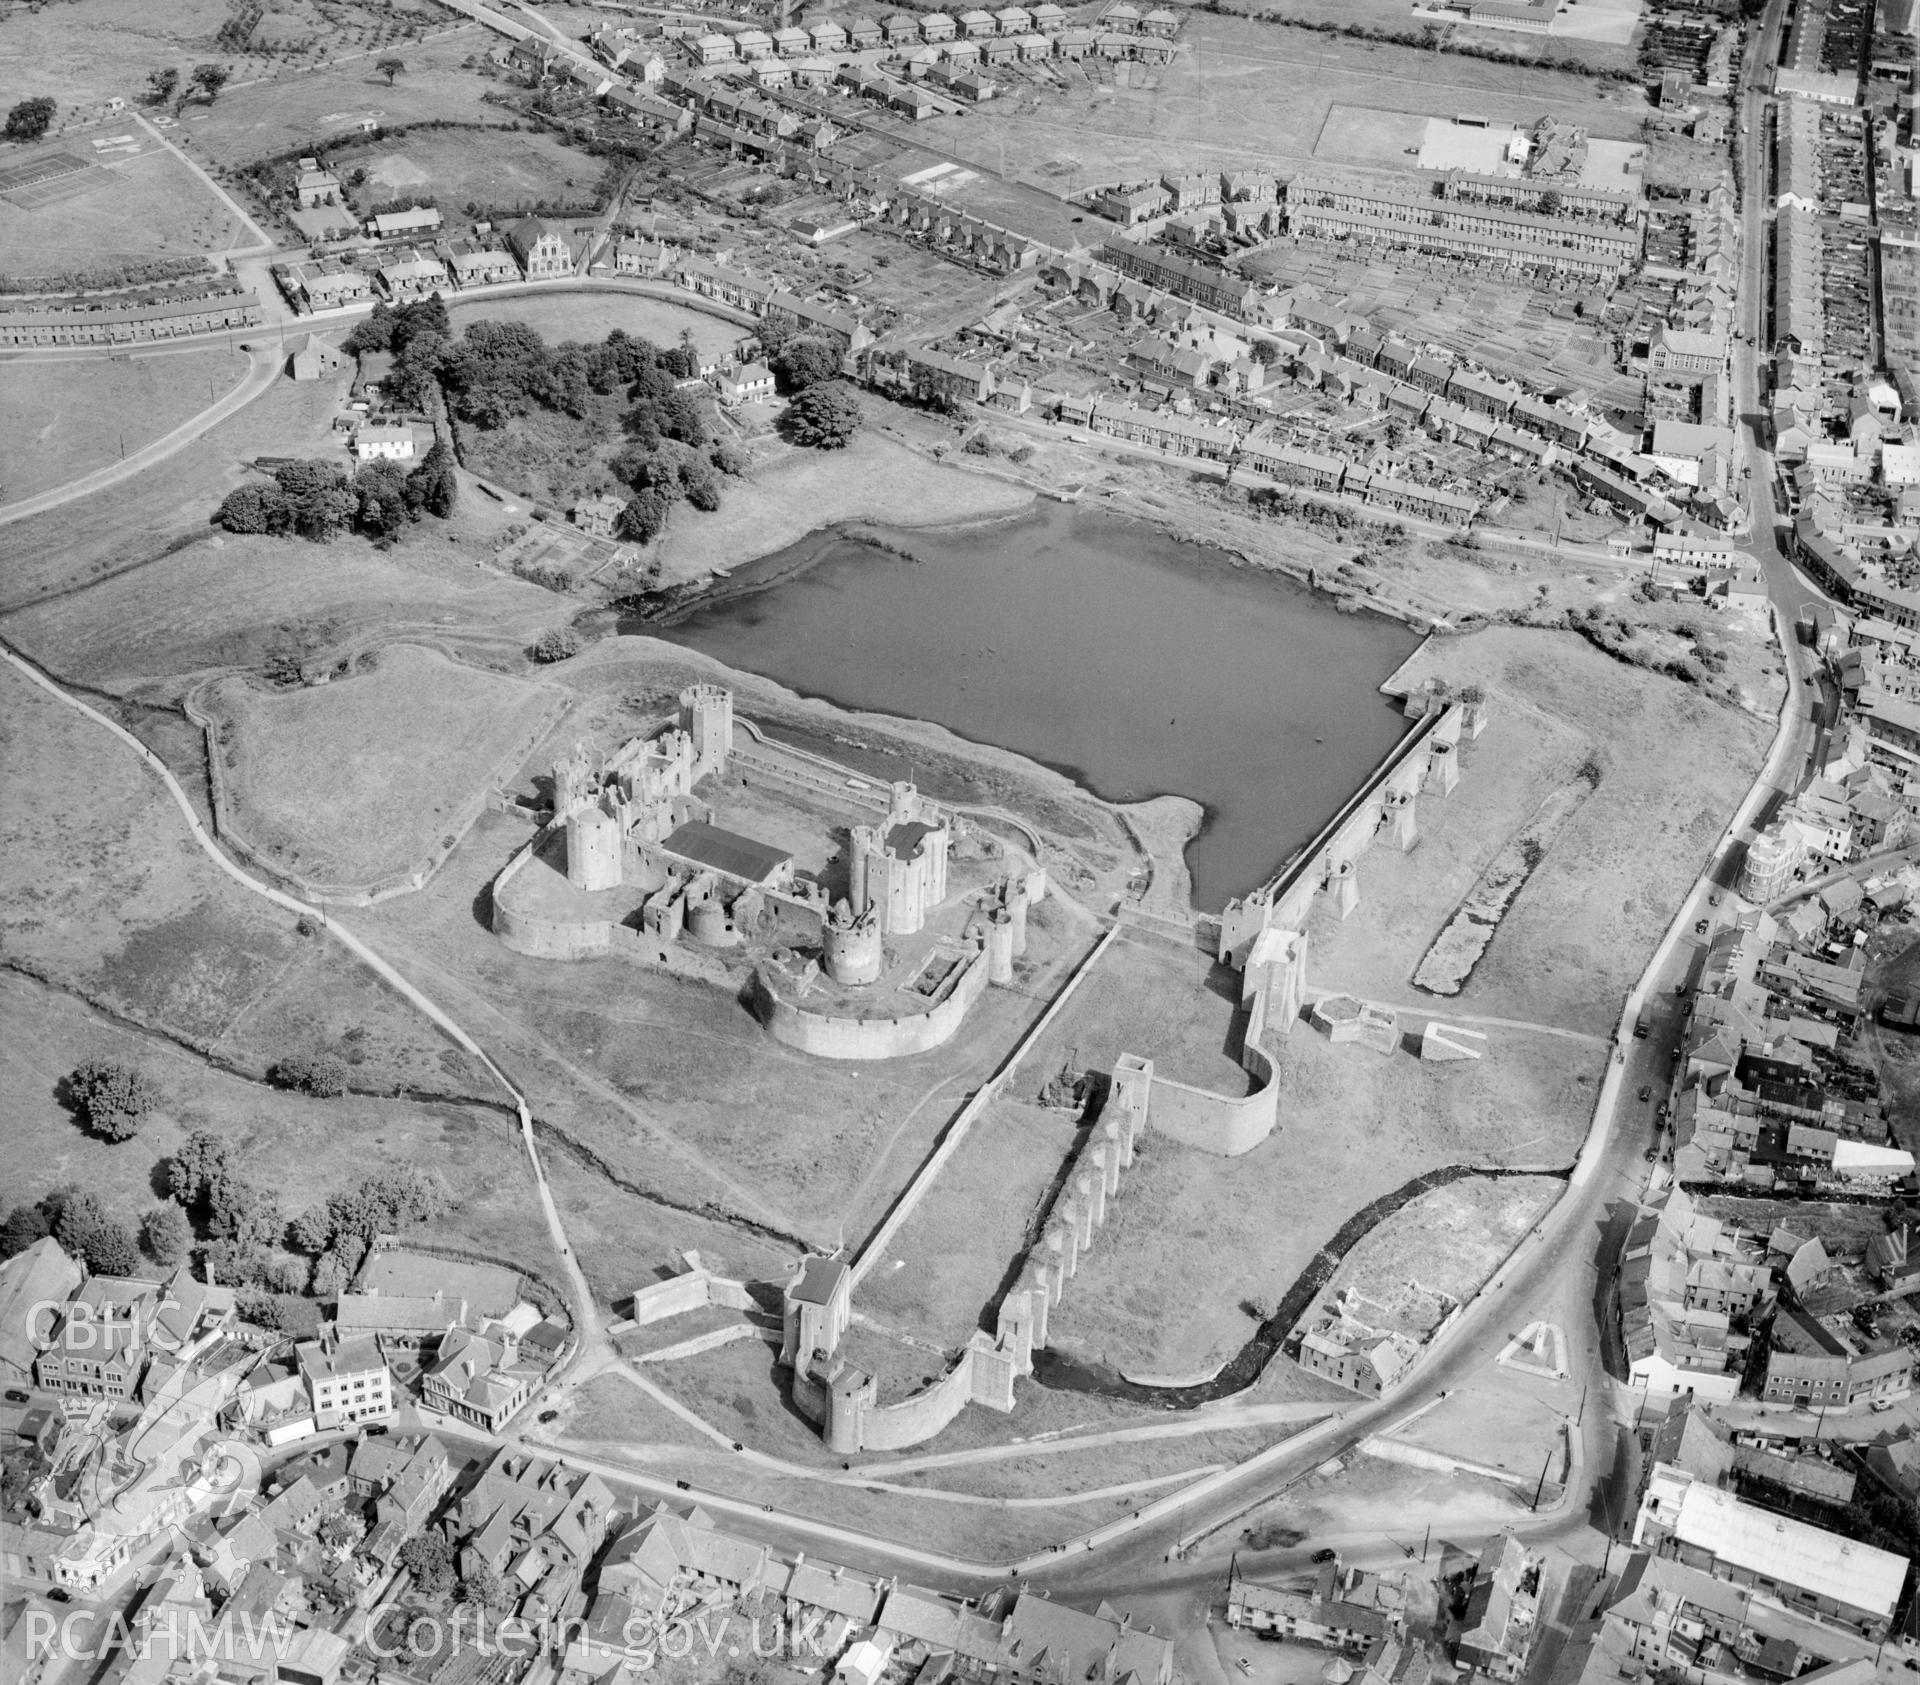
x=264, y=370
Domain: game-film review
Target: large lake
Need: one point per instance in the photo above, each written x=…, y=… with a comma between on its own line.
x=1135, y=664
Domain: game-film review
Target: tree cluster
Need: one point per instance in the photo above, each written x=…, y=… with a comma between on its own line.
x=82, y=1226
x=318, y=500
x=499, y=370
x=825, y=416
x=338, y=1233
x=31, y=118
x=319, y=1074
x=112, y=1099
x=806, y=360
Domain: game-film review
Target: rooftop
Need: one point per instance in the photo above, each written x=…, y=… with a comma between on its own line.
x=1854, y=1575
x=726, y=852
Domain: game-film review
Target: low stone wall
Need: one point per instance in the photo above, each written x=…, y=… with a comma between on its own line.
x=981, y=1375
x=320, y=893
x=1212, y=1123
x=830, y=1036
x=571, y=939
x=696, y=1290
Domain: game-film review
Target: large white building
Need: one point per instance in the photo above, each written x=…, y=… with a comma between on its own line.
x=347, y=1381
x=1834, y=1579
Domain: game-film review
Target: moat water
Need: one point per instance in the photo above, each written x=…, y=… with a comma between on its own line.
x=1134, y=663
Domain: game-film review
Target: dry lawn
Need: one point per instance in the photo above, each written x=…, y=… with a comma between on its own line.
x=1219, y=105
x=302, y=1149
x=591, y=316
x=148, y=205
x=216, y=604
x=1393, y=15
x=955, y=1252
x=291, y=106
x=63, y=420
x=141, y=518
x=359, y=780
x=87, y=50
x=1674, y=766
x=1191, y=1237
x=500, y=170
x=624, y=1242
x=801, y=491
x=120, y=904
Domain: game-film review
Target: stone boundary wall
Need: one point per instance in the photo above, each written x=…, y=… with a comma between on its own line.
x=883, y=1237
x=570, y=939
x=830, y=1036
x=1212, y=1123
x=982, y=1374
x=383, y=889
x=1078, y=1213
x=712, y=1340
x=695, y=1290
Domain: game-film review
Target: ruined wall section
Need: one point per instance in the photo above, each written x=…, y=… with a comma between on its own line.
x=833, y=1036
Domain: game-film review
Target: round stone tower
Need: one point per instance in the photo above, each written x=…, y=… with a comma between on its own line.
x=593, y=849
x=852, y=948
x=1000, y=946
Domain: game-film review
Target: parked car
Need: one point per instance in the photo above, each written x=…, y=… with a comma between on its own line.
x=1651, y=1154
x=1646, y=1092
x=1326, y=1556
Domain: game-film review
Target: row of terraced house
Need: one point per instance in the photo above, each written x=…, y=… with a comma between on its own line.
x=532, y=250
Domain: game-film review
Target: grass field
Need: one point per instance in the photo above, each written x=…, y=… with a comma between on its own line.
x=591, y=316
x=295, y=107
x=89, y=49
x=1191, y=1237
x=954, y=1253
x=500, y=170
x=213, y=605
x=1218, y=105
x=624, y=1242
x=301, y=1149
x=355, y=781
x=108, y=895
x=1594, y=34
x=63, y=420
x=800, y=491
x=146, y=205
x=1674, y=766
x=673, y=1083
x=165, y=596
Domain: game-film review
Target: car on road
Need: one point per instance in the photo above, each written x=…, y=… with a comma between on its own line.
x=549, y=1415
x=1326, y=1556
x=684, y=1485
x=1646, y=1092
x=1702, y=927
x=1244, y=1665
x=16, y=1396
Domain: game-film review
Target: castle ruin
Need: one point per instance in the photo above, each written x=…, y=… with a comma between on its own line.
x=889, y=968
